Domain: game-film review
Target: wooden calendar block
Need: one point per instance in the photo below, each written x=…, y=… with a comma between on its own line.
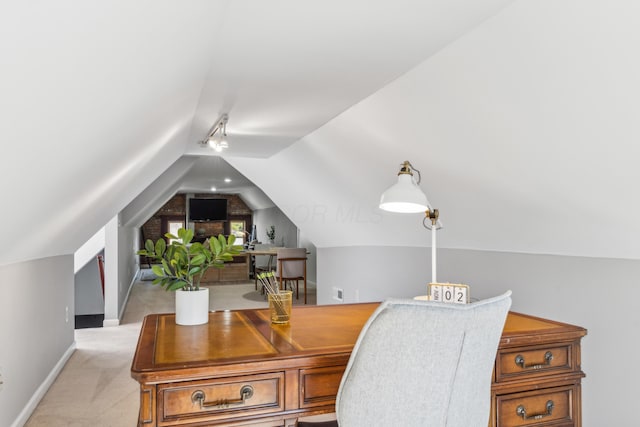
x=435, y=290
x=461, y=294
x=448, y=294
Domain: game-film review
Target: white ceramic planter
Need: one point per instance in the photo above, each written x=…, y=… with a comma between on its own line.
x=192, y=307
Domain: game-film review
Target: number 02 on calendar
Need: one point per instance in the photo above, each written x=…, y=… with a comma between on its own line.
x=449, y=292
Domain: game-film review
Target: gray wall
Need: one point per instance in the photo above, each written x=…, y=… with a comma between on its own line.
x=599, y=294
x=35, y=330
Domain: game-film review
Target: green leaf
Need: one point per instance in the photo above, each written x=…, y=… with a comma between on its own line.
x=165, y=266
x=217, y=247
x=161, y=246
x=188, y=237
x=223, y=243
x=232, y=239
x=194, y=271
x=196, y=248
x=157, y=270
x=198, y=259
x=177, y=284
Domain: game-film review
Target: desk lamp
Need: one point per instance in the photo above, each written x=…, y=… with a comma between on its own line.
x=406, y=197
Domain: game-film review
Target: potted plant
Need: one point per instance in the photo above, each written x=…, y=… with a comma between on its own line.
x=271, y=234
x=180, y=267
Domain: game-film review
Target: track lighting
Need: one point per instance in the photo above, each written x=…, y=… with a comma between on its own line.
x=217, y=137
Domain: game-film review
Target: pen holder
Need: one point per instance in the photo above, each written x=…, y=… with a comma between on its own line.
x=280, y=306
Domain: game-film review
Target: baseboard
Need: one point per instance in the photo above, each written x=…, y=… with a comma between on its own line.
x=110, y=322
x=31, y=405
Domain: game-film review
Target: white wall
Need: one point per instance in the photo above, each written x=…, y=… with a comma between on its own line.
x=121, y=267
x=287, y=234
x=286, y=231
x=598, y=294
x=312, y=256
x=36, y=333
x=88, y=297
x=87, y=252
x=528, y=121
x=128, y=240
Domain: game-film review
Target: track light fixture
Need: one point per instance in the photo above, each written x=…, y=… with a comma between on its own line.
x=217, y=137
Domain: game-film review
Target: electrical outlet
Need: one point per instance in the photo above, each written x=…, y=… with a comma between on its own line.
x=338, y=294
x=66, y=314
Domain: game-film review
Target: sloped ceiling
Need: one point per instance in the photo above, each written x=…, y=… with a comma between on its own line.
x=100, y=98
x=525, y=131
x=521, y=119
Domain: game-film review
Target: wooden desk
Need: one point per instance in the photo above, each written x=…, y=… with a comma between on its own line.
x=196, y=375
x=271, y=251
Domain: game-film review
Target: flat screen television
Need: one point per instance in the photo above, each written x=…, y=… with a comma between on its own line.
x=201, y=210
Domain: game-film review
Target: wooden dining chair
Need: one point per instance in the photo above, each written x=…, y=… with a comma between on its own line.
x=262, y=263
x=292, y=267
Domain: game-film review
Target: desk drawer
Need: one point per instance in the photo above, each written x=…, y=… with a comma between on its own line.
x=546, y=407
x=223, y=398
x=533, y=361
x=319, y=386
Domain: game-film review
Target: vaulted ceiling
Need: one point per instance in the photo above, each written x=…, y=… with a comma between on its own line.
x=520, y=116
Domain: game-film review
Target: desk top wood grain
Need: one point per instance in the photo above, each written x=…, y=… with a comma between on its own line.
x=243, y=336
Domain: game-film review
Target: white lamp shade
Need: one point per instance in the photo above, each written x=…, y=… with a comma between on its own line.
x=404, y=196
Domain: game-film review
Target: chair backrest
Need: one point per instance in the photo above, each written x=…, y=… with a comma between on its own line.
x=291, y=268
x=422, y=363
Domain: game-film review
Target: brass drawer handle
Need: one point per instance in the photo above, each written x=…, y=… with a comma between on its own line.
x=522, y=412
x=548, y=357
x=198, y=396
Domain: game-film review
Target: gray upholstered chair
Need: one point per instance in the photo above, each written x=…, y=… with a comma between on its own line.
x=421, y=363
x=292, y=267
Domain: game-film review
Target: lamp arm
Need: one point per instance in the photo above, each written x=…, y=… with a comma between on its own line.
x=432, y=216
x=433, y=255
